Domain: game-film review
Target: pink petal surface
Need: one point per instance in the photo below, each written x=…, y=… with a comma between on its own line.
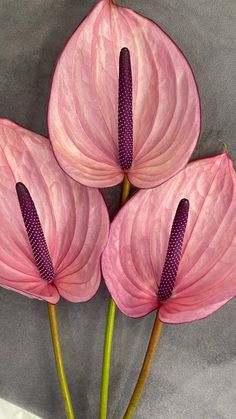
x=83, y=107
x=68, y=213
x=134, y=257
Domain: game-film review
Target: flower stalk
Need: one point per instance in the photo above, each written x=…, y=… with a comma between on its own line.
x=151, y=349
x=109, y=330
x=59, y=361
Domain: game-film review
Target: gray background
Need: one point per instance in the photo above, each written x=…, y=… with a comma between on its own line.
x=194, y=373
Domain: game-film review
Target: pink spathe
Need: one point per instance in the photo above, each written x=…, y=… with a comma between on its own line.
x=133, y=260
x=68, y=213
x=83, y=106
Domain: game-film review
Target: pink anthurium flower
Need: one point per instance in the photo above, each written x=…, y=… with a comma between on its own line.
x=173, y=248
x=51, y=242
x=137, y=115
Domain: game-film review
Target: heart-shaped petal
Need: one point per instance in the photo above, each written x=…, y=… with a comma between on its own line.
x=134, y=257
x=83, y=107
x=68, y=213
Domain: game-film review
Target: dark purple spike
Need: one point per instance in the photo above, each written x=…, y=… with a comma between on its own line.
x=35, y=233
x=174, y=251
x=125, y=112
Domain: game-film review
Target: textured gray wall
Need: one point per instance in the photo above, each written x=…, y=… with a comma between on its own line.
x=194, y=373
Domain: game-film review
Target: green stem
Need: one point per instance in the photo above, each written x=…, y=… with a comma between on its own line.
x=59, y=361
x=109, y=331
x=107, y=359
x=153, y=342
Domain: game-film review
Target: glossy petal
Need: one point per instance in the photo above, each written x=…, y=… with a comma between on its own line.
x=67, y=211
x=83, y=107
x=134, y=257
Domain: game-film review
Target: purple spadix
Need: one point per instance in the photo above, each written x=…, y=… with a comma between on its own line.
x=125, y=112
x=174, y=251
x=35, y=233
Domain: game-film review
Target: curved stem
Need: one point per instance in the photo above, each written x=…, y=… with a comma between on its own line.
x=59, y=361
x=109, y=331
x=153, y=342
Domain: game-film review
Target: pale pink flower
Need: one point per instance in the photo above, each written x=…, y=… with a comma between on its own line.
x=162, y=112
x=200, y=276
x=55, y=248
